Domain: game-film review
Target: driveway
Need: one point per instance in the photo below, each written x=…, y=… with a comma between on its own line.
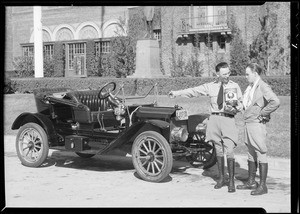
x=66, y=180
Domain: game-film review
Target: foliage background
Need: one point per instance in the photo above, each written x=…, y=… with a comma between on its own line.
x=280, y=85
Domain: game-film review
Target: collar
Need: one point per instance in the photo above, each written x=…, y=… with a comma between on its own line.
x=219, y=82
x=256, y=82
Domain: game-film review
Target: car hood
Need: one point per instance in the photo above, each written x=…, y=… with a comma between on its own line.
x=155, y=112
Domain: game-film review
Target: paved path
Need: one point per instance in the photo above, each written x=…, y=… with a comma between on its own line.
x=67, y=180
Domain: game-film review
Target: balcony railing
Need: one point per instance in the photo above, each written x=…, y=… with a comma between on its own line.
x=204, y=23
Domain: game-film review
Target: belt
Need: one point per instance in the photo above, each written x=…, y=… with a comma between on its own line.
x=222, y=114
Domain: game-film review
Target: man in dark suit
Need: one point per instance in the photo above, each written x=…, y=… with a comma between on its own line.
x=259, y=102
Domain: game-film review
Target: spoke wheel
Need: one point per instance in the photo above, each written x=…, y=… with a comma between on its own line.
x=152, y=156
x=32, y=145
x=205, y=156
x=84, y=155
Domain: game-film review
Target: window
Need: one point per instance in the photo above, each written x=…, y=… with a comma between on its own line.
x=201, y=16
x=28, y=51
x=102, y=47
x=48, y=51
x=208, y=16
x=76, y=50
x=209, y=41
x=157, y=34
x=222, y=43
x=220, y=13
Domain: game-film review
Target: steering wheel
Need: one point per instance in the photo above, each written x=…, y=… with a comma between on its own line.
x=106, y=89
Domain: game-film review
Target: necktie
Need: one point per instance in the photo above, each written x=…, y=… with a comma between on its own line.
x=220, y=97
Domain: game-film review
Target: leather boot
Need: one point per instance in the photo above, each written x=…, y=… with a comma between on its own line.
x=221, y=180
x=251, y=183
x=263, y=172
x=231, y=167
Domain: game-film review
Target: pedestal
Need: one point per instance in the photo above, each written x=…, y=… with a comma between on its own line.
x=147, y=59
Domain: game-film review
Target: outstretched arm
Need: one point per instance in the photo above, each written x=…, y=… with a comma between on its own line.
x=191, y=92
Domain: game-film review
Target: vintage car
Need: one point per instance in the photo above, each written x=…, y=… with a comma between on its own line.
x=94, y=122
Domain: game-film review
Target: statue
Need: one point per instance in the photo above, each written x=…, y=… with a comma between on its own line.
x=149, y=13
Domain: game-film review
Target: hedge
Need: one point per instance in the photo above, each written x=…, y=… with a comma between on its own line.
x=280, y=84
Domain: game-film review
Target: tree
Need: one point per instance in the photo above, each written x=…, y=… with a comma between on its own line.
x=120, y=62
x=238, y=50
x=266, y=49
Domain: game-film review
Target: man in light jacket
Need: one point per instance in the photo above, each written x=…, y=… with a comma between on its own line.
x=259, y=102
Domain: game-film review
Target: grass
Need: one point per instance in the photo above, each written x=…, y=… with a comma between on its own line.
x=278, y=141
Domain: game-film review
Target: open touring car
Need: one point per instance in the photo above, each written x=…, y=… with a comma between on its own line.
x=94, y=122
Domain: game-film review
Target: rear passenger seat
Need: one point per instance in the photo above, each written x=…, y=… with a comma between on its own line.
x=90, y=99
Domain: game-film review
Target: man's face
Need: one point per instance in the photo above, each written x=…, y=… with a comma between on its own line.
x=224, y=75
x=251, y=76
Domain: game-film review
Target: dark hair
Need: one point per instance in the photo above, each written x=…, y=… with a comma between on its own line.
x=221, y=65
x=255, y=68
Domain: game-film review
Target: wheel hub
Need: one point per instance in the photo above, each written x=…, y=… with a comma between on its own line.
x=151, y=156
x=30, y=145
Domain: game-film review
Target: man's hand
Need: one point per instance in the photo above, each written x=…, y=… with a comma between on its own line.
x=172, y=94
x=230, y=109
x=264, y=119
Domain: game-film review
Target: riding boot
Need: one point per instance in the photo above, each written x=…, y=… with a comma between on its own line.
x=231, y=167
x=262, y=188
x=221, y=180
x=251, y=183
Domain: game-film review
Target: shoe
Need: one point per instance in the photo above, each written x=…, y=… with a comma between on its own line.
x=262, y=188
x=221, y=180
x=231, y=167
x=251, y=183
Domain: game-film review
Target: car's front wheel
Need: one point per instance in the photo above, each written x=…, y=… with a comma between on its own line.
x=32, y=145
x=152, y=156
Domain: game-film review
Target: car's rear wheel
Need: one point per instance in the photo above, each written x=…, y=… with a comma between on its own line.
x=85, y=155
x=205, y=156
x=152, y=156
x=32, y=145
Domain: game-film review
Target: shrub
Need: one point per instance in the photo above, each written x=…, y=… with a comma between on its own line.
x=91, y=61
x=238, y=50
x=9, y=86
x=266, y=49
x=59, y=59
x=121, y=61
x=178, y=66
x=24, y=66
x=48, y=67
x=280, y=84
x=194, y=67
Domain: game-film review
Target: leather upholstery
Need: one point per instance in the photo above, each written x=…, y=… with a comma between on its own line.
x=90, y=99
x=39, y=94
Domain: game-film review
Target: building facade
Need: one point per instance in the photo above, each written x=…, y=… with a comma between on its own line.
x=176, y=28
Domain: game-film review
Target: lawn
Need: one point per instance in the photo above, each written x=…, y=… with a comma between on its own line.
x=279, y=128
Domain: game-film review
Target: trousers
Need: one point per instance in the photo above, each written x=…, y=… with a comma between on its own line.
x=255, y=140
x=224, y=133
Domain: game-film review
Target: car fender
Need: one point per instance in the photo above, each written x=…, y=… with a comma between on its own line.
x=134, y=130
x=38, y=118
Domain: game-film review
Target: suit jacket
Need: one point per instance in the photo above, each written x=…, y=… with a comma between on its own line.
x=264, y=102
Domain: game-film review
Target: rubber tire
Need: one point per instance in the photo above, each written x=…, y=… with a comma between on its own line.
x=211, y=162
x=166, y=152
x=44, y=147
x=85, y=155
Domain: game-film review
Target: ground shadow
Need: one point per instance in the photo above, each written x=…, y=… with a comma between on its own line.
x=68, y=159
x=240, y=173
